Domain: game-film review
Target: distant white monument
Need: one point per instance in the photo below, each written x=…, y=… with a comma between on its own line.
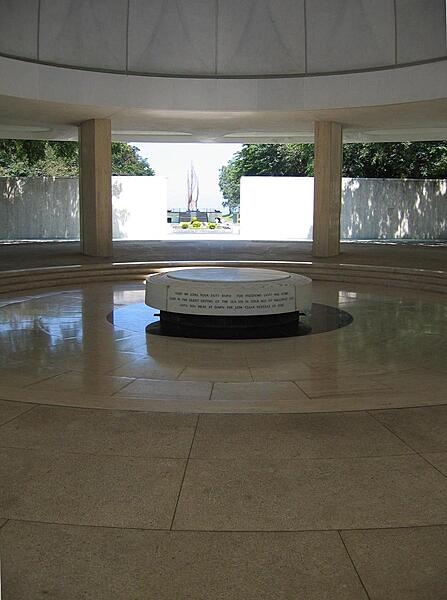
x=192, y=189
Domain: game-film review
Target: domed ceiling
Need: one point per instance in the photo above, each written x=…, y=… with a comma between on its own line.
x=271, y=66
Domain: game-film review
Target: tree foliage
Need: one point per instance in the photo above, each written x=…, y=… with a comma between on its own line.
x=398, y=160
x=36, y=158
x=126, y=160
x=406, y=160
x=263, y=159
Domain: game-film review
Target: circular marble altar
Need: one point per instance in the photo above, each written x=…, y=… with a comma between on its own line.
x=228, y=275
x=226, y=291
x=226, y=302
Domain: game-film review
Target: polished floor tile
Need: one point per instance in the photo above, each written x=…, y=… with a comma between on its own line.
x=372, y=400
x=104, y=362
x=147, y=368
x=91, y=454
x=137, y=344
x=216, y=373
x=424, y=429
x=102, y=432
x=88, y=489
x=256, y=500
x=426, y=380
x=256, y=390
x=392, y=355
x=226, y=357
x=320, y=386
x=311, y=494
x=24, y=374
x=287, y=371
x=167, y=390
x=401, y=564
x=293, y=436
x=439, y=460
x=84, y=382
x=10, y=410
x=58, y=561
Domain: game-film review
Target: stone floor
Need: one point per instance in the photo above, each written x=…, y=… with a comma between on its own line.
x=432, y=255
x=139, y=467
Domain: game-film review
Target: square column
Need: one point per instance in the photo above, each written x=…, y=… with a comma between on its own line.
x=327, y=189
x=95, y=187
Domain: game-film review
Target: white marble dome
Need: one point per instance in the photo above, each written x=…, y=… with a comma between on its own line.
x=224, y=37
x=242, y=71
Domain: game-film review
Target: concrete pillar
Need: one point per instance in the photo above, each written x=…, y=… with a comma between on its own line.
x=327, y=189
x=95, y=187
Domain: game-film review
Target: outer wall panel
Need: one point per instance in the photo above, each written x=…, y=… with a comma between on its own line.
x=18, y=27
x=229, y=38
x=84, y=33
x=345, y=35
x=421, y=29
x=258, y=37
x=167, y=36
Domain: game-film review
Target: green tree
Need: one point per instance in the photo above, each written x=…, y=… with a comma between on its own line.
x=263, y=159
x=399, y=160
x=35, y=158
x=126, y=160
x=412, y=160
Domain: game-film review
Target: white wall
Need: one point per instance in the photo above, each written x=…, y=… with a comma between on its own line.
x=42, y=208
x=282, y=208
x=271, y=208
x=139, y=208
x=394, y=209
x=274, y=208
x=39, y=208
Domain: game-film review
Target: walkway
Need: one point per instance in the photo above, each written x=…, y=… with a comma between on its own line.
x=42, y=254
x=139, y=467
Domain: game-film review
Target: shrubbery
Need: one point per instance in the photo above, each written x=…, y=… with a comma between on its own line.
x=196, y=224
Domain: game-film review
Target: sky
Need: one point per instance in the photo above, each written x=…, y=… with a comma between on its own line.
x=174, y=161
